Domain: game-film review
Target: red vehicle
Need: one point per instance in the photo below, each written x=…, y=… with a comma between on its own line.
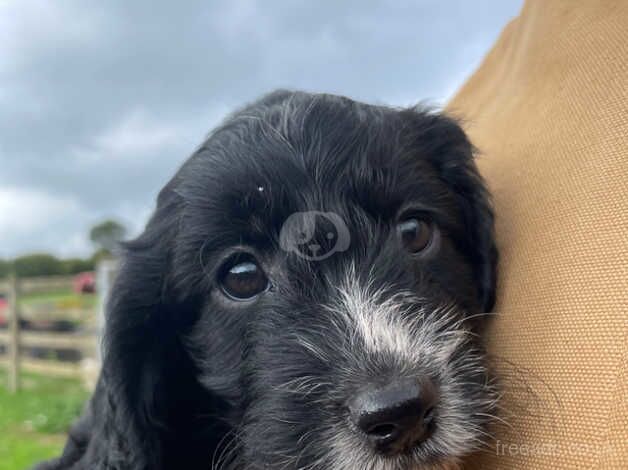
x=85, y=283
x=4, y=306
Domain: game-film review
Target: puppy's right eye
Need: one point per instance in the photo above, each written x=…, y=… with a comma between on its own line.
x=415, y=234
x=242, y=278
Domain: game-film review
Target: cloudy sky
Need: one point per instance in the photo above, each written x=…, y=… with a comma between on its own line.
x=100, y=101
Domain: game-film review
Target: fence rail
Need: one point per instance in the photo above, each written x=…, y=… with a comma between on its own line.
x=48, y=367
x=86, y=343
x=38, y=284
x=16, y=339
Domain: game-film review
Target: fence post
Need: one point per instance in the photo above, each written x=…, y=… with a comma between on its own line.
x=106, y=271
x=14, y=335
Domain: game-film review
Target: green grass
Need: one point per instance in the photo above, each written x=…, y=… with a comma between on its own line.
x=59, y=299
x=33, y=421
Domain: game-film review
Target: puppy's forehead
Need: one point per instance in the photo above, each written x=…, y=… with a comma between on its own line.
x=273, y=187
x=331, y=154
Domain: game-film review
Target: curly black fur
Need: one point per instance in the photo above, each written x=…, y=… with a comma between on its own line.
x=192, y=380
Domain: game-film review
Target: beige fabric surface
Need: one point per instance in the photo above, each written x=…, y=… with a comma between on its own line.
x=548, y=109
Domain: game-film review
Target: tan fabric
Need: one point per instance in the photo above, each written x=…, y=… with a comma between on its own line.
x=548, y=109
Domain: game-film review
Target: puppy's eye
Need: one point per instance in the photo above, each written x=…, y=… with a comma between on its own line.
x=242, y=278
x=415, y=234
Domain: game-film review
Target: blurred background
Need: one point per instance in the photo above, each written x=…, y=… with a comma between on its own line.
x=100, y=102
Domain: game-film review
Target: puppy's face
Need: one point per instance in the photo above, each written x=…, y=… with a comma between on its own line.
x=340, y=256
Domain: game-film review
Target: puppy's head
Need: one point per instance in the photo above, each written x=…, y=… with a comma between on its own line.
x=308, y=294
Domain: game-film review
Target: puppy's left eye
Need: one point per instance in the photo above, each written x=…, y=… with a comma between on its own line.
x=415, y=234
x=242, y=278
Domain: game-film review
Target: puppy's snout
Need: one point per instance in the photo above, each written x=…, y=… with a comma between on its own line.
x=396, y=417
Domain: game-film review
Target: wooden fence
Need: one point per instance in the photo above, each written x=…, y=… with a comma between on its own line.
x=17, y=339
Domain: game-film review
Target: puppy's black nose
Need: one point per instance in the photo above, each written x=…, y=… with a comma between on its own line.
x=395, y=417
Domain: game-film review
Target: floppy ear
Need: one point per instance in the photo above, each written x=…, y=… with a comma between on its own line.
x=453, y=155
x=148, y=376
x=135, y=333
x=121, y=425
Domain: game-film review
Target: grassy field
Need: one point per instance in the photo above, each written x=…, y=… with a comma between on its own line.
x=58, y=305
x=33, y=422
x=59, y=299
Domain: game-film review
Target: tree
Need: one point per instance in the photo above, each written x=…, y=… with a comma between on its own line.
x=107, y=235
x=5, y=268
x=37, y=264
x=44, y=264
x=99, y=255
x=77, y=265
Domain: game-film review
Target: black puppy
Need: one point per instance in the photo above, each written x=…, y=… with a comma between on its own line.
x=307, y=295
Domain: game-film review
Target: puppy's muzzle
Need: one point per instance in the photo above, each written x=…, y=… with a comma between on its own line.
x=396, y=417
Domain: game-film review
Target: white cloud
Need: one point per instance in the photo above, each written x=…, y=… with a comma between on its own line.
x=29, y=25
x=136, y=134
x=139, y=135
x=24, y=210
x=34, y=221
x=30, y=218
x=243, y=17
x=77, y=244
